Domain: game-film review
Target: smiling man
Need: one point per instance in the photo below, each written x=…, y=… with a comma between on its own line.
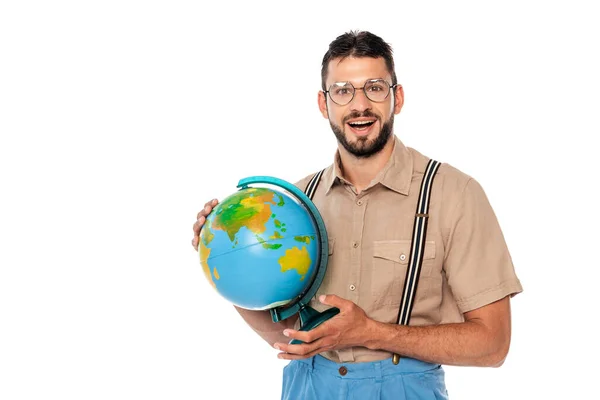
x=369, y=118
x=410, y=300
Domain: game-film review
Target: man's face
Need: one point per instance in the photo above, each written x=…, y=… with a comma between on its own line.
x=362, y=127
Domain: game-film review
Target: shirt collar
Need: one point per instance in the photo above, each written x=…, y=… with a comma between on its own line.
x=396, y=175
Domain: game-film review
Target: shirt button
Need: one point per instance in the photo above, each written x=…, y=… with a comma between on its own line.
x=359, y=202
x=343, y=371
x=355, y=244
x=402, y=257
x=352, y=287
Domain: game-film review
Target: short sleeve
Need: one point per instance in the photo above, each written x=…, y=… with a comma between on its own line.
x=478, y=265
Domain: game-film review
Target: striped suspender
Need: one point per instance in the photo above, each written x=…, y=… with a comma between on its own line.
x=418, y=241
x=311, y=188
x=417, y=248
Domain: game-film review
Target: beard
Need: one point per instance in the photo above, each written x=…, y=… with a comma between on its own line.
x=363, y=147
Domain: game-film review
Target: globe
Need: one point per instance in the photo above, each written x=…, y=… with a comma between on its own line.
x=258, y=248
x=265, y=248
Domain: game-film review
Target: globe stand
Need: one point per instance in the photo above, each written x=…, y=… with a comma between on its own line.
x=309, y=317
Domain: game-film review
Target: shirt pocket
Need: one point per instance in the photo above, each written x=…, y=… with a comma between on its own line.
x=390, y=263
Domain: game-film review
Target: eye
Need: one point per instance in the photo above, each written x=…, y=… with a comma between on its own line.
x=341, y=91
x=376, y=87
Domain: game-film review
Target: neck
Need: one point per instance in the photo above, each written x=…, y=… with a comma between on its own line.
x=361, y=171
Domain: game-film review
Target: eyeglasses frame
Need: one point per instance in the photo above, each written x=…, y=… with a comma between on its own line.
x=326, y=92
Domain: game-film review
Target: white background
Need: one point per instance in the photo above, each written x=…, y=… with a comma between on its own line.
x=120, y=119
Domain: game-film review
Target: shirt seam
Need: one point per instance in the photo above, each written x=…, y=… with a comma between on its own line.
x=466, y=300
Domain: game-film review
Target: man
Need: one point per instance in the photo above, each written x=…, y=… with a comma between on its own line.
x=368, y=198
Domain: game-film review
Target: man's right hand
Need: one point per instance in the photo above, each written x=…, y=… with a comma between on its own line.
x=200, y=219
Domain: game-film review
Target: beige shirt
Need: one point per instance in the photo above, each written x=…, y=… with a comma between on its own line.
x=466, y=261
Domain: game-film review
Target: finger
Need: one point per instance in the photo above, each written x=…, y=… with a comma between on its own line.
x=298, y=351
x=336, y=301
x=210, y=205
x=306, y=336
x=200, y=220
x=287, y=356
x=198, y=225
x=204, y=212
x=207, y=208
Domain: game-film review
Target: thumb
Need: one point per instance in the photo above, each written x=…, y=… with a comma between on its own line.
x=335, y=301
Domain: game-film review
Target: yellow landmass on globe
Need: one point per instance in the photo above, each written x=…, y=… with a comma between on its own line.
x=260, y=204
x=276, y=235
x=204, y=253
x=297, y=259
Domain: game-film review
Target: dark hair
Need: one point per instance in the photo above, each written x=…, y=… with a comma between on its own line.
x=358, y=44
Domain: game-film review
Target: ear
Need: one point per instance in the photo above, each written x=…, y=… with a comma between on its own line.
x=323, y=104
x=398, y=99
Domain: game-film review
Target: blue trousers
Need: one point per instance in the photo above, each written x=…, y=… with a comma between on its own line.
x=317, y=378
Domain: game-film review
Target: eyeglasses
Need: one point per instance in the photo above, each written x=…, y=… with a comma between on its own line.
x=376, y=90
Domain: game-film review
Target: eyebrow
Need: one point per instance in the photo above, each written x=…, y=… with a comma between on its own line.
x=368, y=80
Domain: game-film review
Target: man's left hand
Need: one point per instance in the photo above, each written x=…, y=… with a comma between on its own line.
x=351, y=327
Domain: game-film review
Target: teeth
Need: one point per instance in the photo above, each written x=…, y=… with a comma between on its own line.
x=360, y=122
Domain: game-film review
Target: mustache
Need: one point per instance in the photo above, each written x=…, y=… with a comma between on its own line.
x=356, y=114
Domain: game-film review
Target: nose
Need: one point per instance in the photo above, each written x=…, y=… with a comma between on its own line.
x=360, y=102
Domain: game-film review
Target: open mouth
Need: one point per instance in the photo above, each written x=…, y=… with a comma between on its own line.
x=361, y=125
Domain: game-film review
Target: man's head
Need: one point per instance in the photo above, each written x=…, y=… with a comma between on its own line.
x=355, y=60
